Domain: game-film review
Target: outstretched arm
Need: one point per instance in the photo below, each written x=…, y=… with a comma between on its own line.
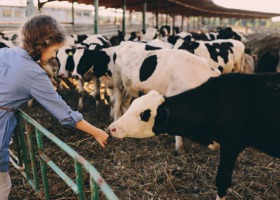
x=100, y=136
x=42, y=90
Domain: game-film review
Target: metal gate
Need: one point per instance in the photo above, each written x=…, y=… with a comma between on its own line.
x=27, y=156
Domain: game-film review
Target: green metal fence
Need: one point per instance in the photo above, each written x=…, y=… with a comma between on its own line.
x=25, y=161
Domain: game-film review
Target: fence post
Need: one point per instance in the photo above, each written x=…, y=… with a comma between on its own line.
x=80, y=162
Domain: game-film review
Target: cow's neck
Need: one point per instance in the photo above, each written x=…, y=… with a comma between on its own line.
x=182, y=115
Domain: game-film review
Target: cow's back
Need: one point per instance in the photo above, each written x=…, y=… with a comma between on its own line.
x=245, y=108
x=169, y=71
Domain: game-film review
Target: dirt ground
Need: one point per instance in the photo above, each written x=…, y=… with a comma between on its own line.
x=147, y=168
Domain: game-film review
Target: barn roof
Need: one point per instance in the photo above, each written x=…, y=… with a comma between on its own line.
x=181, y=7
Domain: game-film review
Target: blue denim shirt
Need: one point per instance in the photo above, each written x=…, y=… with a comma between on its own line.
x=20, y=80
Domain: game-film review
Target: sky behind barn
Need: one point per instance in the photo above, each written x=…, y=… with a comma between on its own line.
x=269, y=6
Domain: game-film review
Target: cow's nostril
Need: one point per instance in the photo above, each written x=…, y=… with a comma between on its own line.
x=113, y=129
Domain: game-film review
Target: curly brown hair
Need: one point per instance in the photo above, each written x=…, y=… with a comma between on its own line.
x=40, y=32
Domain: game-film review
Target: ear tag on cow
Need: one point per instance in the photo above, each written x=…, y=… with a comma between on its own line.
x=70, y=53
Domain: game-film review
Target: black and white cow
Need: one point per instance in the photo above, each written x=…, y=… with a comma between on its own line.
x=117, y=39
x=227, y=54
x=87, y=40
x=234, y=110
x=104, y=64
x=227, y=33
x=167, y=30
x=141, y=69
x=150, y=34
x=222, y=33
x=146, y=36
x=138, y=69
x=133, y=36
x=100, y=62
x=190, y=37
x=78, y=63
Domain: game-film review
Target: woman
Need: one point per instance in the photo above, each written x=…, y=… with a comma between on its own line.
x=24, y=75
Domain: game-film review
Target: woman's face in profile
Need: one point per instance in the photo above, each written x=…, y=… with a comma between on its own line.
x=50, y=52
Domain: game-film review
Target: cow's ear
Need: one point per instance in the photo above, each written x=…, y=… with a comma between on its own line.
x=162, y=115
x=70, y=52
x=161, y=119
x=67, y=51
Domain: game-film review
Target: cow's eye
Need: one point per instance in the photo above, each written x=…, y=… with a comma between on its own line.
x=145, y=116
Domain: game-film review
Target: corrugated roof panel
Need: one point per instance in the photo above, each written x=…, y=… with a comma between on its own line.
x=181, y=7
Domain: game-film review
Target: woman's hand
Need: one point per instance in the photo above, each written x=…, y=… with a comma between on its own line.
x=100, y=135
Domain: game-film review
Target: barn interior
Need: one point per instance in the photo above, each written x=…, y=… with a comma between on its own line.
x=149, y=168
x=265, y=55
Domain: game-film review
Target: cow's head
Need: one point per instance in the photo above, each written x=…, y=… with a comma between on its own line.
x=139, y=119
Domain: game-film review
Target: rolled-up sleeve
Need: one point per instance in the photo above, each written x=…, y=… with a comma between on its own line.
x=43, y=91
x=75, y=116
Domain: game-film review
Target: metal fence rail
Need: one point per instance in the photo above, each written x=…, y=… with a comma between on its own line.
x=26, y=162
